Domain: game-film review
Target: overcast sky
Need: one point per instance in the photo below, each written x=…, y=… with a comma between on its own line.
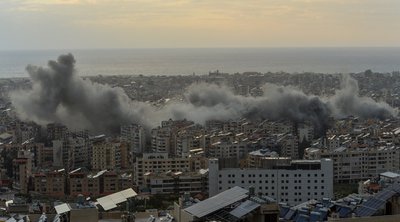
x=73, y=24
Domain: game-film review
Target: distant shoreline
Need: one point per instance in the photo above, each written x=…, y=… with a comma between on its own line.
x=200, y=61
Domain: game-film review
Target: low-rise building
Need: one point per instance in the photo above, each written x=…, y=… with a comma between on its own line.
x=177, y=182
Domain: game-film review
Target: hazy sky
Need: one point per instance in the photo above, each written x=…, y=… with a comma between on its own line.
x=71, y=24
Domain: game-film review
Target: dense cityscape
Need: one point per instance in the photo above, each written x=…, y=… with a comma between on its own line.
x=330, y=152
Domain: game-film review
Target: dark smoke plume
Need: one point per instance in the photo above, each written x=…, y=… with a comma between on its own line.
x=59, y=95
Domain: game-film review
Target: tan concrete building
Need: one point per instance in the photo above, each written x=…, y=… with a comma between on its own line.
x=160, y=162
x=51, y=183
x=106, y=155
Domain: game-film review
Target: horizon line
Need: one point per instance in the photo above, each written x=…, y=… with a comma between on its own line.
x=222, y=47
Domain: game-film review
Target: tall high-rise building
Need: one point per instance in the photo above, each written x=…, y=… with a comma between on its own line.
x=134, y=135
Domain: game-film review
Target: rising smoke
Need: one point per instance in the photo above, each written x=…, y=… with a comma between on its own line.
x=59, y=95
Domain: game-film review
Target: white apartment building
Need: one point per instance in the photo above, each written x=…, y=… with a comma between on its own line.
x=227, y=149
x=351, y=165
x=161, y=140
x=294, y=183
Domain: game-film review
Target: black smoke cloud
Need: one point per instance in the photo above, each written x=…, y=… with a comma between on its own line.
x=59, y=95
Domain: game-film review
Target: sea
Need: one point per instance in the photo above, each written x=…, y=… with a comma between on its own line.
x=200, y=61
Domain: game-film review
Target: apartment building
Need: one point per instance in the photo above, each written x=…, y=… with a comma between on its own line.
x=22, y=170
x=293, y=182
x=106, y=155
x=59, y=183
x=227, y=149
x=351, y=165
x=257, y=158
x=289, y=144
x=177, y=182
x=161, y=162
x=134, y=135
x=51, y=183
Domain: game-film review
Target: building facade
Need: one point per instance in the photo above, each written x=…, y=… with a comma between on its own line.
x=294, y=182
